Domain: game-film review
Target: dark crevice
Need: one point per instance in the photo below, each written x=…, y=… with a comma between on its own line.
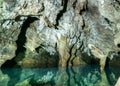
x=38, y=48
x=68, y=68
x=118, y=45
x=68, y=61
x=75, y=50
x=60, y=14
x=70, y=55
x=20, y=43
x=62, y=4
x=118, y=1
x=18, y=17
x=73, y=57
x=42, y=9
x=74, y=4
x=82, y=10
x=116, y=4
x=81, y=46
x=119, y=53
x=85, y=8
x=83, y=26
x=70, y=52
x=108, y=21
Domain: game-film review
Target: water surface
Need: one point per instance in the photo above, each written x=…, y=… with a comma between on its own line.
x=83, y=75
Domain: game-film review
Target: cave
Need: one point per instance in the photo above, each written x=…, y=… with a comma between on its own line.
x=59, y=42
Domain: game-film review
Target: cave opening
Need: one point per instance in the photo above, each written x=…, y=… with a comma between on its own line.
x=60, y=14
x=118, y=45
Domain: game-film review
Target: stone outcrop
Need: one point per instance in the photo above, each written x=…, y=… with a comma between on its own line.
x=118, y=82
x=9, y=31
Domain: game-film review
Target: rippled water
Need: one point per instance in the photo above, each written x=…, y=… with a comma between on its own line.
x=83, y=75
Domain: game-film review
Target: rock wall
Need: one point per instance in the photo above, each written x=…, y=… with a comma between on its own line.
x=70, y=32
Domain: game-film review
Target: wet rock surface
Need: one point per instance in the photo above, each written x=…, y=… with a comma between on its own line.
x=59, y=33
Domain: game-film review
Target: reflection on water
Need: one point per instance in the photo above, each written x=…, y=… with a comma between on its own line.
x=84, y=75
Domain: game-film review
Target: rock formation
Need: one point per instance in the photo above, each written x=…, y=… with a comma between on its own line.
x=118, y=82
x=64, y=33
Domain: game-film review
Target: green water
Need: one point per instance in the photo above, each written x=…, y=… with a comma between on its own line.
x=83, y=75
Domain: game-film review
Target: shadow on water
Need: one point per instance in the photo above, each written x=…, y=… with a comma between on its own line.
x=9, y=64
x=87, y=75
x=83, y=75
x=112, y=73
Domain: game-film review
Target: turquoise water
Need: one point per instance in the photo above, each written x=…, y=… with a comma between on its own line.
x=83, y=75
